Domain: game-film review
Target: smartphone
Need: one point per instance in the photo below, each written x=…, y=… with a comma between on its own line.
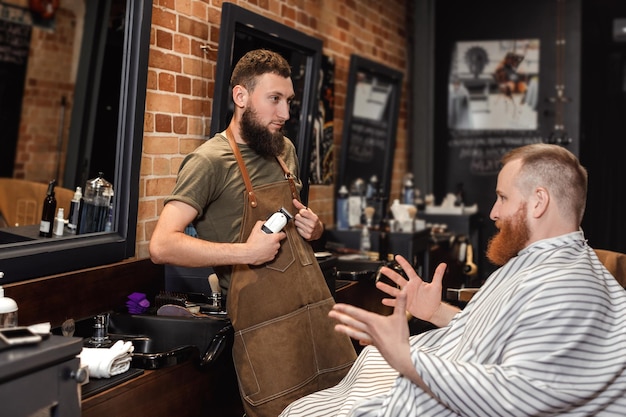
x=15, y=336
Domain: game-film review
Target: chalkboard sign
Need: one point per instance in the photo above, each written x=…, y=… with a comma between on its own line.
x=14, y=43
x=14, y=46
x=370, y=124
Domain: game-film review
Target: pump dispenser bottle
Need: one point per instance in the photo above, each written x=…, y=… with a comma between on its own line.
x=49, y=209
x=59, y=223
x=8, y=309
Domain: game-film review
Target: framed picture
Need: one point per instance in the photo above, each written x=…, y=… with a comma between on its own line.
x=494, y=85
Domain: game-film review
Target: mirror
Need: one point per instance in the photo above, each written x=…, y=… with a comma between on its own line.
x=370, y=124
x=116, y=32
x=242, y=31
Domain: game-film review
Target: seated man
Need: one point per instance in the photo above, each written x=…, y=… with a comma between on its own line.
x=545, y=335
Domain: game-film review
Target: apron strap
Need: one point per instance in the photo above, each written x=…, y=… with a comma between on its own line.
x=242, y=167
x=289, y=177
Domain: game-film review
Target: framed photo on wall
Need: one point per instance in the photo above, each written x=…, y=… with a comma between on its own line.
x=494, y=85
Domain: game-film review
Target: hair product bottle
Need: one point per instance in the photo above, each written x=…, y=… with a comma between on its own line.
x=48, y=212
x=59, y=223
x=343, y=222
x=72, y=223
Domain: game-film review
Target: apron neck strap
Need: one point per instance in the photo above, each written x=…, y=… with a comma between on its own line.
x=242, y=167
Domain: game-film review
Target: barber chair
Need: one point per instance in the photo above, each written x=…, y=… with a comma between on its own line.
x=615, y=262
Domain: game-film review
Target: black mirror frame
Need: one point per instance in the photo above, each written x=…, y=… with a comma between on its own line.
x=48, y=257
x=276, y=34
x=383, y=166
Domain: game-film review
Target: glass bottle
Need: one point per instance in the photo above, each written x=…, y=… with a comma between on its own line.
x=48, y=212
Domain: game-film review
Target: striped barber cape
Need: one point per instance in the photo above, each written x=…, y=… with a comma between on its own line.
x=545, y=336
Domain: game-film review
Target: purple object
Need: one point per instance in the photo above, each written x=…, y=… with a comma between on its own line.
x=137, y=296
x=137, y=303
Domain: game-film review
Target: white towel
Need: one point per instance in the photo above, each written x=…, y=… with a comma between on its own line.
x=107, y=362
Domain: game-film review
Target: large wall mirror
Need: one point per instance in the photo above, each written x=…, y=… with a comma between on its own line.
x=94, y=118
x=242, y=31
x=370, y=124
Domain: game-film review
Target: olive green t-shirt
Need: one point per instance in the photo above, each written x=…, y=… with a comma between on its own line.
x=210, y=181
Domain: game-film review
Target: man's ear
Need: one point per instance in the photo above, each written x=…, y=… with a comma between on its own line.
x=240, y=96
x=540, y=202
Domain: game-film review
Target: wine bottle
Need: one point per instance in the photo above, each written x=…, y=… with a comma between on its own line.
x=48, y=212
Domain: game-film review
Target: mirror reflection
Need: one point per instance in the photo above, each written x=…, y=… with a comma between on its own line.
x=59, y=104
x=104, y=81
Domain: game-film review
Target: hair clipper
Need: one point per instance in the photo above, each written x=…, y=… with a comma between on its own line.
x=276, y=221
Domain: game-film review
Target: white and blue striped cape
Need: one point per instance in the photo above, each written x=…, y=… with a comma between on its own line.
x=545, y=336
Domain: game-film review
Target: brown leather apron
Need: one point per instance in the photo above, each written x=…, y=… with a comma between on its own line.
x=285, y=345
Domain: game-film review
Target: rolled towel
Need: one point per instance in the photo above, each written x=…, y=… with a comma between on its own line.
x=107, y=362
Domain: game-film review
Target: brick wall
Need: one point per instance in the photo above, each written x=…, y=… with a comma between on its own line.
x=181, y=83
x=44, y=88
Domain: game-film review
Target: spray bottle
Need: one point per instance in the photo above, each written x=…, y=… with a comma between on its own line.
x=8, y=309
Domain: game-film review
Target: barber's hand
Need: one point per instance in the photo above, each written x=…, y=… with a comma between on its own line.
x=423, y=298
x=307, y=223
x=262, y=247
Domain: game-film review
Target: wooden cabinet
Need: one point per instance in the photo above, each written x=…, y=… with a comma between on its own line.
x=181, y=390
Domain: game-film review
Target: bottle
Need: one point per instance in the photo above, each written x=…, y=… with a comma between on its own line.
x=372, y=188
x=356, y=203
x=8, y=309
x=72, y=223
x=396, y=213
x=365, y=245
x=383, y=239
x=59, y=222
x=459, y=195
x=47, y=214
x=407, y=191
x=342, y=209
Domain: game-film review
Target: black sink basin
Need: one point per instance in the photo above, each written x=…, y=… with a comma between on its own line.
x=161, y=341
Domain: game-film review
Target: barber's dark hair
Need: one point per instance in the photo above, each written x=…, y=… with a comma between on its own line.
x=256, y=63
x=556, y=169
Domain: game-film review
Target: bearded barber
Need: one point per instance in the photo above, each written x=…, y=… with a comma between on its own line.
x=209, y=189
x=227, y=188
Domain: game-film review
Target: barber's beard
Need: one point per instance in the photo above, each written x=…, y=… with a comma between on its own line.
x=263, y=141
x=512, y=237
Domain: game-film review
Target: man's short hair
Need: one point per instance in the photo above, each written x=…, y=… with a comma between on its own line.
x=556, y=169
x=256, y=63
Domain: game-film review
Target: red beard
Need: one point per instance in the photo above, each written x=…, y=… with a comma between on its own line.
x=512, y=237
